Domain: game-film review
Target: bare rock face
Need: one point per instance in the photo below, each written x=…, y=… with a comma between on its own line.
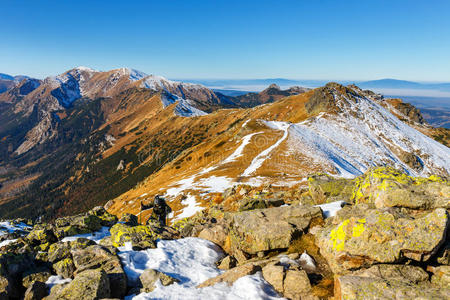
x=379, y=236
x=271, y=228
x=389, y=282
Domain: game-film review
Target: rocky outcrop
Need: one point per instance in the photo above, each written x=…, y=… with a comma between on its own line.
x=388, y=187
x=88, y=285
x=140, y=236
x=271, y=228
x=389, y=282
x=97, y=257
x=381, y=236
x=288, y=279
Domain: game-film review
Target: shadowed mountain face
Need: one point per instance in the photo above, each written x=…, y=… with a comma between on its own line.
x=84, y=137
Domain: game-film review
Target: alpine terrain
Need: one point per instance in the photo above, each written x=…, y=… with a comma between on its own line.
x=327, y=193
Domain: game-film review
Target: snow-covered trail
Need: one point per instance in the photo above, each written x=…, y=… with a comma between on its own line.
x=261, y=157
x=238, y=152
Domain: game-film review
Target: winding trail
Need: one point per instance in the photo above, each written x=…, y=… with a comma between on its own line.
x=260, y=158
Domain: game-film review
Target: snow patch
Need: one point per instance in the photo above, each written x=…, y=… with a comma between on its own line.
x=330, y=209
x=238, y=152
x=260, y=158
x=94, y=236
x=192, y=261
x=7, y=227
x=56, y=279
x=191, y=208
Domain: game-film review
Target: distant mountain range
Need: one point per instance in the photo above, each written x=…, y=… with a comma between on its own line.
x=402, y=87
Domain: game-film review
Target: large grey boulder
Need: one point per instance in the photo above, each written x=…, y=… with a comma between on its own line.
x=271, y=228
x=87, y=285
x=380, y=236
x=97, y=257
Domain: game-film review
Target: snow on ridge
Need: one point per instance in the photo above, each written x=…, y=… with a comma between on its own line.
x=86, y=69
x=261, y=157
x=363, y=135
x=183, y=108
x=238, y=152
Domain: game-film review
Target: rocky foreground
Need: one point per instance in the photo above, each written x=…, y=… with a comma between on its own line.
x=383, y=235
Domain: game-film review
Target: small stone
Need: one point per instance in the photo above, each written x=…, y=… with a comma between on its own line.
x=227, y=263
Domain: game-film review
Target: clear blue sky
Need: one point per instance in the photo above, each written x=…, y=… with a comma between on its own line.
x=356, y=40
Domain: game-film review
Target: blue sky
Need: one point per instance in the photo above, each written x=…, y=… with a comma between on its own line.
x=355, y=40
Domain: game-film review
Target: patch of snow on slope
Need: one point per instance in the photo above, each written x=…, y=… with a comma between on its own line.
x=8, y=227
x=94, y=236
x=134, y=75
x=238, y=152
x=260, y=158
x=154, y=82
x=7, y=242
x=183, y=108
x=180, y=186
x=192, y=261
x=214, y=184
x=191, y=208
x=85, y=69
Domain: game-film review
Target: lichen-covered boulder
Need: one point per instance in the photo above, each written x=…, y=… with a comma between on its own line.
x=87, y=285
x=258, y=203
x=58, y=251
x=388, y=282
x=88, y=221
x=287, y=278
x=129, y=219
x=388, y=187
x=106, y=219
x=216, y=234
x=141, y=236
x=441, y=276
x=41, y=234
x=94, y=257
x=325, y=188
x=81, y=243
x=381, y=237
x=69, y=230
x=271, y=228
x=64, y=268
x=35, y=275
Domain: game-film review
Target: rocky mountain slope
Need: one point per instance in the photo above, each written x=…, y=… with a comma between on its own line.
x=55, y=134
x=386, y=238
x=334, y=129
